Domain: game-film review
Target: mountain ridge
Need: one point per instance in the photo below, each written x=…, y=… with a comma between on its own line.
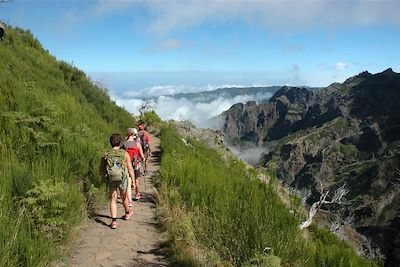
x=347, y=133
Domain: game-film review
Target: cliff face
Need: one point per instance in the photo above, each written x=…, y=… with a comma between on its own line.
x=347, y=133
x=249, y=120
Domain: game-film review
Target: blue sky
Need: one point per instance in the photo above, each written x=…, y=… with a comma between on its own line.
x=139, y=45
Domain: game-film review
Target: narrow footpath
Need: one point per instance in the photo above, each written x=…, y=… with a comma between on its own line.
x=135, y=242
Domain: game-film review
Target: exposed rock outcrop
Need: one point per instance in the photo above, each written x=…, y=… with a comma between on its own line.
x=347, y=133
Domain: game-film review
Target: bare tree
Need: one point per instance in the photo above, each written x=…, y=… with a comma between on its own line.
x=147, y=105
x=349, y=219
x=370, y=251
x=396, y=183
x=337, y=198
x=304, y=194
x=335, y=226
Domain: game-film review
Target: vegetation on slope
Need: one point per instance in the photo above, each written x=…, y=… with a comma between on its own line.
x=217, y=212
x=54, y=124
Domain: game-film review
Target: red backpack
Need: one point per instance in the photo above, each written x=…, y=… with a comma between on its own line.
x=133, y=152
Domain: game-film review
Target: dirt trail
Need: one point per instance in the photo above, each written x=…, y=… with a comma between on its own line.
x=135, y=242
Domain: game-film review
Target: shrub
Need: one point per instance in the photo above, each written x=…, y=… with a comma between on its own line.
x=150, y=118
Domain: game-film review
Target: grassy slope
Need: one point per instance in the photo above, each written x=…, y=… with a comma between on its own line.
x=54, y=125
x=217, y=212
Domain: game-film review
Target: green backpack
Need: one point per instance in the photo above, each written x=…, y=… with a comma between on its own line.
x=115, y=165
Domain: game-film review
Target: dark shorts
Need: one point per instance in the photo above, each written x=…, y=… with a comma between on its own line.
x=146, y=152
x=137, y=174
x=122, y=185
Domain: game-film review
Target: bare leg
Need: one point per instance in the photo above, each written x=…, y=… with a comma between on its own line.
x=145, y=166
x=146, y=156
x=137, y=185
x=124, y=197
x=113, y=202
x=129, y=189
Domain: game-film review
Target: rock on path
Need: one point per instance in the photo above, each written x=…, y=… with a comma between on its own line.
x=135, y=242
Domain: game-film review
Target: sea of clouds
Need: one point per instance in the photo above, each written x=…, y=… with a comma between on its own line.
x=198, y=110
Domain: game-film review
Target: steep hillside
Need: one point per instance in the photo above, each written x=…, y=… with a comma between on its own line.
x=54, y=124
x=219, y=212
x=346, y=134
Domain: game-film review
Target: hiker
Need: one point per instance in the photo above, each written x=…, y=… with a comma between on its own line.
x=145, y=141
x=116, y=168
x=2, y=30
x=133, y=147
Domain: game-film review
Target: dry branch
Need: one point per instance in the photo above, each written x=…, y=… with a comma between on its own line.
x=146, y=106
x=337, y=198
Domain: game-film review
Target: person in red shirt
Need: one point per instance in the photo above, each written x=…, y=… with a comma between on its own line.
x=135, y=152
x=145, y=141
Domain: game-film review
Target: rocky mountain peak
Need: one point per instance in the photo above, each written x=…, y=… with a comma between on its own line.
x=357, y=79
x=348, y=133
x=293, y=94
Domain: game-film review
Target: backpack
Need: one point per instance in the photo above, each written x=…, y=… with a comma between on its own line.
x=133, y=152
x=115, y=165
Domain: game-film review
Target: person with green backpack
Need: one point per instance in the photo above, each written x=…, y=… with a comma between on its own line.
x=115, y=168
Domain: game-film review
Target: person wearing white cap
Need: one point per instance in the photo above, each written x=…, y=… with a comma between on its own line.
x=135, y=151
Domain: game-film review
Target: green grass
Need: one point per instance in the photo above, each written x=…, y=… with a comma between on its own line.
x=54, y=124
x=219, y=213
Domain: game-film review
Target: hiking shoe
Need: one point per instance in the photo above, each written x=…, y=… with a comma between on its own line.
x=138, y=196
x=128, y=215
x=113, y=225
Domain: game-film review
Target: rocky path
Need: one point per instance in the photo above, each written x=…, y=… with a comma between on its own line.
x=135, y=242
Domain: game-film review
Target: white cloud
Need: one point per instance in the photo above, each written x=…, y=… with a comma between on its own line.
x=338, y=66
x=295, y=71
x=176, y=15
x=199, y=112
x=132, y=104
x=292, y=48
x=168, y=44
x=171, y=44
x=338, y=71
x=251, y=155
x=158, y=90
x=341, y=66
x=196, y=111
x=108, y=7
x=173, y=15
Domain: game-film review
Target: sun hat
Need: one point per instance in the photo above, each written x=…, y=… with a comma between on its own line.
x=132, y=130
